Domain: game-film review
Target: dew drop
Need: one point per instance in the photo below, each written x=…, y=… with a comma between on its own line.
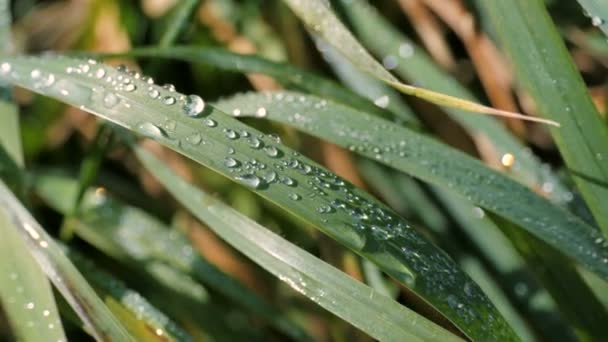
x=194, y=105
x=5, y=67
x=231, y=162
x=251, y=181
x=271, y=151
x=194, y=139
x=110, y=100
x=210, y=122
x=255, y=143
x=231, y=134
x=130, y=87
x=390, y=62
x=382, y=101
x=261, y=112
x=100, y=73
x=153, y=93
x=150, y=130
x=169, y=87
x=236, y=112
x=294, y=197
x=597, y=21
x=169, y=100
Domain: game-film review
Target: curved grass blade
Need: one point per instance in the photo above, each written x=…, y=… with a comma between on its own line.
x=548, y=73
x=358, y=304
x=95, y=315
x=597, y=10
x=286, y=74
x=176, y=20
x=317, y=15
x=131, y=235
x=415, y=65
x=276, y=173
x=433, y=162
x=142, y=320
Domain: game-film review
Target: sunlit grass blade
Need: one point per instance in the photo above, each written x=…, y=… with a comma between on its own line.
x=302, y=187
x=132, y=236
x=546, y=70
x=413, y=64
x=374, y=313
x=66, y=278
x=433, y=162
x=597, y=10
x=141, y=319
x=317, y=15
x=176, y=20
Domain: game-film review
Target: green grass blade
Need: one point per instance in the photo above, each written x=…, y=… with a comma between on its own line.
x=317, y=15
x=415, y=65
x=597, y=10
x=358, y=304
x=25, y=292
x=276, y=173
x=288, y=75
x=131, y=235
x=176, y=20
x=433, y=162
x=95, y=315
x=546, y=70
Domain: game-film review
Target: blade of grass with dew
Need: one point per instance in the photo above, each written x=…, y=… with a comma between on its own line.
x=547, y=72
x=376, y=314
x=272, y=170
x=286, y=74
x=597, y=10
x=317, y=15
x=97, y=318
x=142, y=320
x=433, y=162
x=415, y=65
x=131, y=235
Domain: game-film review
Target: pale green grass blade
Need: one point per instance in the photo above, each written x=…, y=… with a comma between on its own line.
x=597, y=10
x=275, y=172
x=433, y=162
x=372, y=312
x=177, y=19
x=318, y=16
x=413, y=64
x=132, y=236
x=546, y=70
x=66, y=278
x=25, y=293
x=141, y=319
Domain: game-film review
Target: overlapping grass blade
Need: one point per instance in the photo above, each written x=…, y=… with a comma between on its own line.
x=261, y=163
x=549, y=75
x=432, y=162
x=134, y=237
x=317, y=15
x=374, y=313
x=597, y=10
x=91, y=310
x=416, y=66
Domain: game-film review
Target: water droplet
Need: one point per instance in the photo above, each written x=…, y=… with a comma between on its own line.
x=271, y=151
x=210, y=122
x=100, y=73
x=261, y=112
x=110, y=100
x=236, y=112
x=406, y=50
x=194, y=105
x=153, y=93
x=597, y=21
x=231, y=162
x=255, y=143
x=150, y=130
x=169, y=100
x=382, y=101
x=294, y=196
x=194, y=139
x=251, y=180
x=231, y=134
x=507, y=160
x=30, y=306
x=390, y=62
x=130, y=87
x=5, y=67
x=169, y=87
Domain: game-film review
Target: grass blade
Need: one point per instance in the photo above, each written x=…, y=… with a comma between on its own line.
x=95, y=315
x=415, y=65
x=597, y=10
x=290, y=180
x=432, y=162
x=317, y=15
x=546, y=70
x=376, y=314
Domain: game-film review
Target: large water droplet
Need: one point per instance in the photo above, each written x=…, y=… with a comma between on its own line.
x=150, y=130
x=210, y=122
x=231, y=162
x=110, y=100
x=193, y=106
x=251, y=180
x=272, y=151
x=382, y=101
x=231, y=134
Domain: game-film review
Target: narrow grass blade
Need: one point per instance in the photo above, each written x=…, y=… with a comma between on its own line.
x=597, y=10
x=372, y=312
x=433, y=162
x=132, y=236
x=317, y=15
x=415, y=65
x=95, y=315
x=25, y=292
x=275, y=172
x=176, y=20
x=546, y=70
